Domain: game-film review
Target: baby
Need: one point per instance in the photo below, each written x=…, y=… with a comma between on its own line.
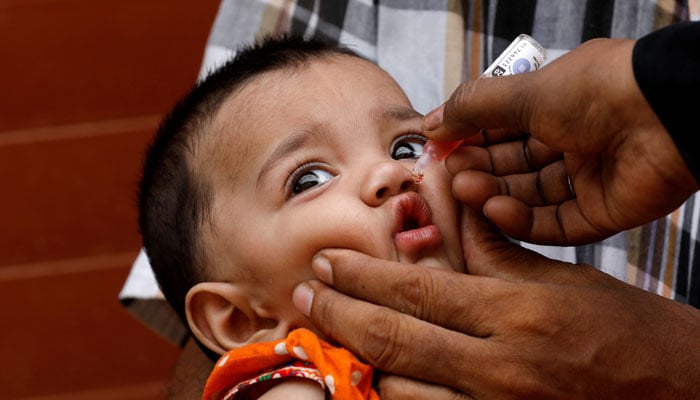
x=291, y=147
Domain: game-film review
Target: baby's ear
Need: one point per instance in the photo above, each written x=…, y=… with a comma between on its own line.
x=222, y=317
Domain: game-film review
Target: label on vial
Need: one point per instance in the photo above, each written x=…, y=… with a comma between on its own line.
x=524, y=54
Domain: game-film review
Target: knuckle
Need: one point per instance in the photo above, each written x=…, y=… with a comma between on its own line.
x=383, y=340
x=539, y=319
x=414, y=294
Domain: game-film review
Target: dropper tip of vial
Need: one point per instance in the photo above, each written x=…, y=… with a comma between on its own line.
x=423, y=162
x=433, y=153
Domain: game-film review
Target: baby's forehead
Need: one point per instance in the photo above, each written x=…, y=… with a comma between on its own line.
x=260, y=92
x=273, y=90
x=274, y=103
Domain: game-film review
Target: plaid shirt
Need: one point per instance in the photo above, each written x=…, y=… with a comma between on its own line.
x=431, y=46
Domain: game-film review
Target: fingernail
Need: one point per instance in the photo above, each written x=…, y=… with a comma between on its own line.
x=433, y=119
x=302, y=297
x=322, y=269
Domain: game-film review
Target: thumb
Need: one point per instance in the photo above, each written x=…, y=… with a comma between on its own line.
x=483, y=244
x=481, y=104
x=488, y=252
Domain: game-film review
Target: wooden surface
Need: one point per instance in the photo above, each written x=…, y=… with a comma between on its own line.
x=83, y=85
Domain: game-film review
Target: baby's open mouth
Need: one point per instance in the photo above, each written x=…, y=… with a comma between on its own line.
x=412, y=212
x=409, y=224
x=414, y=231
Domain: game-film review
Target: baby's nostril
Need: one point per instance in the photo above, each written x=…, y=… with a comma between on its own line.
x=381, y=192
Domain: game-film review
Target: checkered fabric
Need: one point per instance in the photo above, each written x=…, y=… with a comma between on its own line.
x=431, y=46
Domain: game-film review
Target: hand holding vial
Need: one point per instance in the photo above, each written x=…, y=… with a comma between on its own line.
x=523, y=54
x=569, y=154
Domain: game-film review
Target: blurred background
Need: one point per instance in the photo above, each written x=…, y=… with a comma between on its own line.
x=83, y=85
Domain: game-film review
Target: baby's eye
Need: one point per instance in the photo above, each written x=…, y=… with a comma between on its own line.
x=309, y=178
x=408, y=147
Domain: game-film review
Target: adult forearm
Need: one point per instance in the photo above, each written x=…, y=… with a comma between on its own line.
x=666, y=65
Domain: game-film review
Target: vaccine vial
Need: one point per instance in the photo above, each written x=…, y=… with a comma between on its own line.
x=522, y=55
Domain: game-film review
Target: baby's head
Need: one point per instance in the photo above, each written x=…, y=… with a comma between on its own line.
x=291, y=147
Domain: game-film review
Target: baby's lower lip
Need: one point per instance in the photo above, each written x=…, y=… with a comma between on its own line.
x=416, y=239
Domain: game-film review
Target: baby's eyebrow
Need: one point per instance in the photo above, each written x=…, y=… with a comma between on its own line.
x=400, y=113
x=290, y=144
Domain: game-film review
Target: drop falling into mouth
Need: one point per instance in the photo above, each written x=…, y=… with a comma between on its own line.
x=433, y=153
x=417, y=178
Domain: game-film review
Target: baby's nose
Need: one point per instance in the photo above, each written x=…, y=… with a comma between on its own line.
x=386, y=179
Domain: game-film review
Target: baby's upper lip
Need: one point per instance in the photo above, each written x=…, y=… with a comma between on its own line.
x=411, y=212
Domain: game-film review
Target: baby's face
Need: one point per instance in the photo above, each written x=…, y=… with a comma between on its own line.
x=316, y=158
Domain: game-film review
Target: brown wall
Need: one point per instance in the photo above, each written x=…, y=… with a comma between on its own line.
x=83, y=84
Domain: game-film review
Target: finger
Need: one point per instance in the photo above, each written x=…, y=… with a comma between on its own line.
x=487, y=252
x=481, y=104
x=484, y=247
x=553, y=184
x=506, y=158
x=469, y=158
x=399, y=387
x=400, y=344
x=487, y=137
x=475, y=188
x=548, y=186
x=439, y=296
x=562, y=224
x=538, y=154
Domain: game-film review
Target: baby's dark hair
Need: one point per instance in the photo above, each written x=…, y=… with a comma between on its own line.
x=174, y=198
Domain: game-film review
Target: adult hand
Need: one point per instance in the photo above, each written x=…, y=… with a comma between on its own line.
x=518, y=326
x=587, y=119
